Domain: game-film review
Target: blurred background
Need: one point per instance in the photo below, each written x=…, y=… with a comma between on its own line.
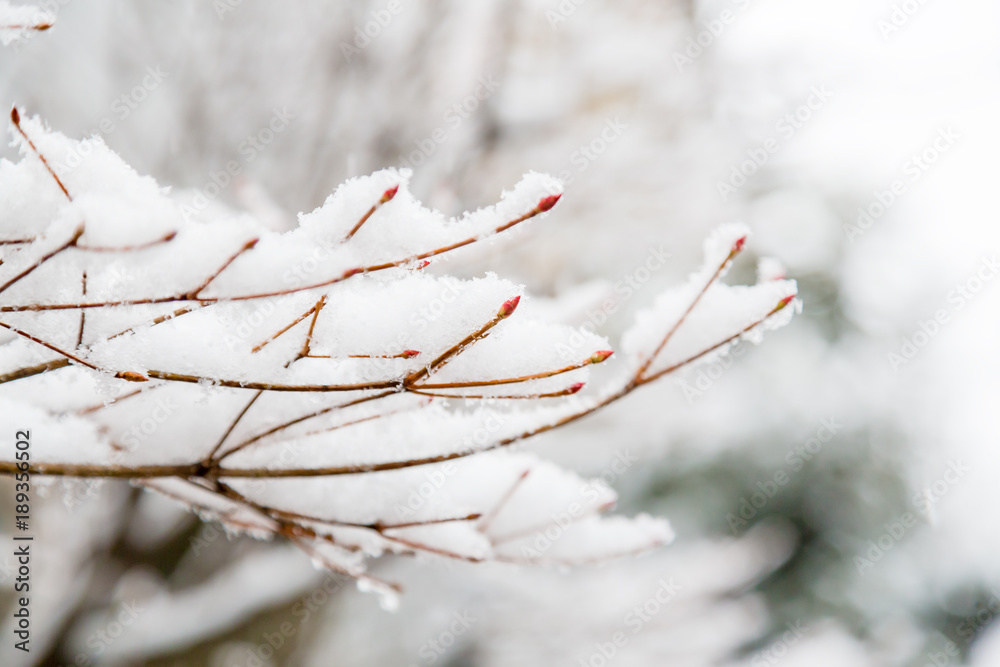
x=830, y=489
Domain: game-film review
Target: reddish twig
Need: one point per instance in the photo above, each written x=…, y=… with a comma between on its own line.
x=15, y=117
x=386, y=197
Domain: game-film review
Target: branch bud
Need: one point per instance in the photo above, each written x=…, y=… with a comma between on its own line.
x=600, y=356
x=738, y=246
x=548, y=202
x=507, y=309
x=389, y=194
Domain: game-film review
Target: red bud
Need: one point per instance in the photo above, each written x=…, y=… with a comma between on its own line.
x=600, y=356
x=422, y=265
x=409, y=354
x=576, y=387
x=507, y=309
x=548, y=202
x=784, y=302
x=389, y=194
x=739, y=244
x=15, y=117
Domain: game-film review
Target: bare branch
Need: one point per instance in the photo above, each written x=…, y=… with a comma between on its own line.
x=506, y=310
x=132, y=248
x=484, y=525
x=30, y=371
x=386, y=197
x=15, y=117
x=193, y=294
x=569, y=391
x=68, y=244
x=737, y=247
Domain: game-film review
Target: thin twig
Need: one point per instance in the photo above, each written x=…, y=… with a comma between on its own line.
x=299, y=420
x=506, y=310
x=260, y=346
x=15, y=117
x=133, y=248
x=68, y=244
x=596, y=358
x=484, y=525
x=31, y=371
x=569, y=391
x=193, y=294
x=386, y=197
x=711, y=281
x=211, y=456
x=83, y=313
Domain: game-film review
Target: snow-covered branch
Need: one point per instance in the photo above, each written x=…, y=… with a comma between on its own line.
x=303, y=384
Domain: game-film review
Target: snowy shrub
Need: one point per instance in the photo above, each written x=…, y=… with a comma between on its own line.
x=323, y=384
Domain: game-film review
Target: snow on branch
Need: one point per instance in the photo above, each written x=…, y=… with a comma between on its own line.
x=312, y=384
x=18, y=22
